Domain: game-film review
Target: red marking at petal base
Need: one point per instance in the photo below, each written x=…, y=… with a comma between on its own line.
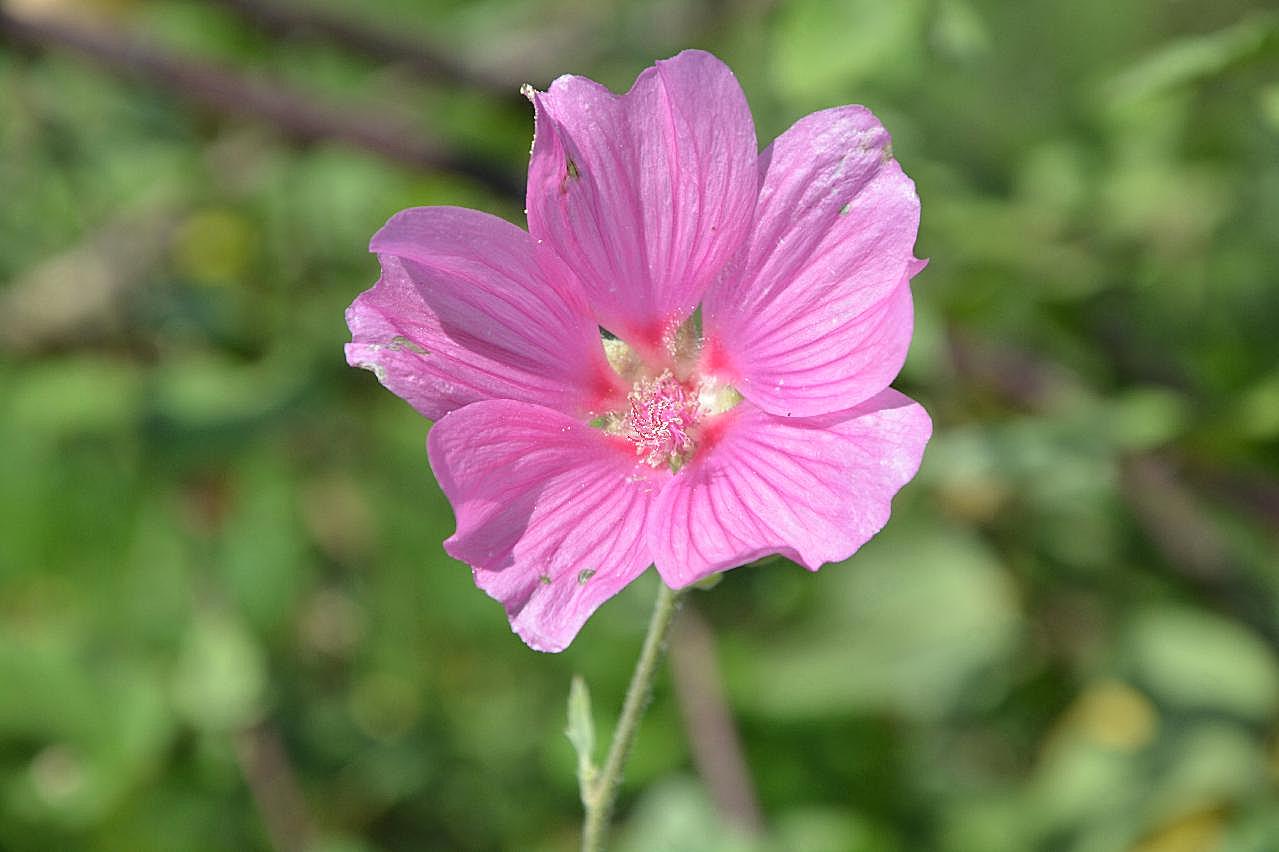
x=608, y=391
x=712, y=430
x=715, y=361
x=648, y=342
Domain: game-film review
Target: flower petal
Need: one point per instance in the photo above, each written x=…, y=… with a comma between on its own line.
x=799, y=323
x=645, y=195
x=551, y=513
x=812, y=489
x=463, y=312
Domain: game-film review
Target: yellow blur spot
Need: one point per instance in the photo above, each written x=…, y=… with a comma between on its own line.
x=213, y=246
x=1197, y=832
x=1114, y=715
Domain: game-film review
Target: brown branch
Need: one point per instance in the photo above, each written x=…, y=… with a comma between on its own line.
x=80, y=293
x=284, y=18
x=1172, y=518
x=274, y=788
x=712, y=734
x=1153, y=485
x=1176, y=524
x=1020, y=377
x=1248, y=491
x=227, y=93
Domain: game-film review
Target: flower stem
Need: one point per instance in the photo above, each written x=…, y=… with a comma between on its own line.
x=600, y=795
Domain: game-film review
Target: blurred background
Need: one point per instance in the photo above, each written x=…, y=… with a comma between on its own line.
x=226, y=621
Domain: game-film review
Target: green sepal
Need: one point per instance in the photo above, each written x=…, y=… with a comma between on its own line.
x=581, y=733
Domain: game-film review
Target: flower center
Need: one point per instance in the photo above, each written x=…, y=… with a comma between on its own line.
x=672, y=405
x=662, y=420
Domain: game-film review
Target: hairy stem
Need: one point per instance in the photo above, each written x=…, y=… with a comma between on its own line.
x=600, y=795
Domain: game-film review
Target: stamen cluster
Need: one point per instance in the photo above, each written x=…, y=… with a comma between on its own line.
x=661, y=421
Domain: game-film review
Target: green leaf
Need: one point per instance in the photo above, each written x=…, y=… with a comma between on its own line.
x=822, y=48
x=678, y=816
x=71, y=395
x=904, y=626
x=220, y=681
x=1188, y=60
x=1192, y=658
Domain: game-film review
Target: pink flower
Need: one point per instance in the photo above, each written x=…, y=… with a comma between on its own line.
x=573, y=463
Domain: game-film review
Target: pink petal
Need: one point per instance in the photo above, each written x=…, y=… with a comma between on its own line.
x=813, y=489
x=800, y=323
x=463, y=312
x=645, y=195
x=550, y=512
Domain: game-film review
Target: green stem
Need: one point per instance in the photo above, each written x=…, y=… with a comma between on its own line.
x=601, y=796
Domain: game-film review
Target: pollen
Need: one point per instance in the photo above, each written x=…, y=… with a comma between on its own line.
x=662, y=420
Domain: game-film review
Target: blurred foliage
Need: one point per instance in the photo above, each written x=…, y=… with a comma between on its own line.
x=222, y=591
